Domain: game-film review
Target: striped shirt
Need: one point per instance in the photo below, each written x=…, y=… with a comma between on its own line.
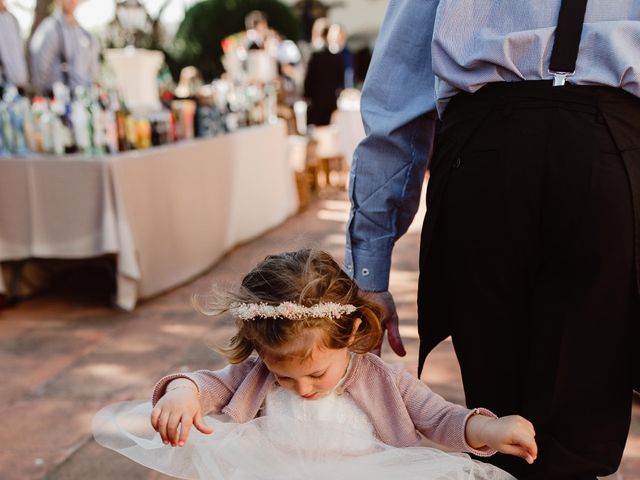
x=53, y=38
x=427, y=51
x=13, y=67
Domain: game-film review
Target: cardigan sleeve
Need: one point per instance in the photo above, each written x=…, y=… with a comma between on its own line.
x=215, y=388
x=438, y=419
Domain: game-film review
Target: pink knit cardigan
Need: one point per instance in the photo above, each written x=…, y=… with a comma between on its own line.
x=399, y=405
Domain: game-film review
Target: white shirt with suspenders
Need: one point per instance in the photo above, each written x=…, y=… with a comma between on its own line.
x=62, y=53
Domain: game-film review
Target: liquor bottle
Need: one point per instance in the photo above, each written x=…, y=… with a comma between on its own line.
x=29, y=126
x=4, y=149
x=58, y=135
x=38, y=107
x=270, y=104
x=131, y=131
x=62, y=126
x=16, y=109
x=98, y=129
x=124, y=122
x=46, y=119
x=81, y=122
x=109, y=122
x=143, y=133
x=110, y=130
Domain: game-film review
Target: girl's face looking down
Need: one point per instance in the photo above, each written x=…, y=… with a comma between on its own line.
x=311, y=376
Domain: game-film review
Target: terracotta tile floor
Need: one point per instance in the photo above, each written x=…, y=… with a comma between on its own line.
x=66, y=354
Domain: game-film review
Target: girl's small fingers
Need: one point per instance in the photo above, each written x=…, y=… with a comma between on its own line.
x=528, y=442
x=162, y=426
x=530, y=428
x=172, y=428
x=185, y=426
x=532, y=446
x=200, y=425
x=517, y=451
x=155, y=416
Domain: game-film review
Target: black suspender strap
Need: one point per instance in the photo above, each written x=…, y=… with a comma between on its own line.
x=3, y=80
x=567, y=40
x=64, y=64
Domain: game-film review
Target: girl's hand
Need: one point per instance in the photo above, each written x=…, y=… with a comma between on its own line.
x=513, y=435
x=180, y=405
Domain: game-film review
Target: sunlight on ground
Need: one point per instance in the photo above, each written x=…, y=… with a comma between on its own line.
x=335, y=210
x=138, y=346
x=184, y=329
x=333, y=215
x=343, y=205
x=408, y=331
x=110, y=370
x=334, y=239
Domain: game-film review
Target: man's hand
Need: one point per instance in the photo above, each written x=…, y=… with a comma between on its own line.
x=389, y=321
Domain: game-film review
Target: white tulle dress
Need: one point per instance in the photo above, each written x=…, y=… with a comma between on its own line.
x=329, y=438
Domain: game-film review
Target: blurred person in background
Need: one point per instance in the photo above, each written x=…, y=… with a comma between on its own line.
x=319, y=33
x=257, y=30
x=337, y=40
x=13, y=65
x=190, y=83
x=62, y=51
x=324, y=78
x=361, y=61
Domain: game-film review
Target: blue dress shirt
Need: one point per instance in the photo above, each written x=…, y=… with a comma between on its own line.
x=426, y=52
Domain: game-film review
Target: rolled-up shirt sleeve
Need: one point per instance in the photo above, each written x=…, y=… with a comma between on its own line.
x=399, y=116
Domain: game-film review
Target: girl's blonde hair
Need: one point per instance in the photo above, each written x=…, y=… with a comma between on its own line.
x=305, y=277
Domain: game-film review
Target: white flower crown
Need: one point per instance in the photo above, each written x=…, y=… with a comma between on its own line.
x=290, y=310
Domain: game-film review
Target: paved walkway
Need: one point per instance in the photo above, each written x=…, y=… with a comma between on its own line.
x=65, y=355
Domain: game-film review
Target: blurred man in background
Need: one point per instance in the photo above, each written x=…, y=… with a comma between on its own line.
x=257, y=30
x=62, y=51
x=337, y=40
x=13, y=66
x=324, y=78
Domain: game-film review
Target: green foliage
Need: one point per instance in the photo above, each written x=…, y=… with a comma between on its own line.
x=206, y=24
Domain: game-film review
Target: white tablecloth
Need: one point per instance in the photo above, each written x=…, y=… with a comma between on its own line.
x=167, y=213
x=350, y=131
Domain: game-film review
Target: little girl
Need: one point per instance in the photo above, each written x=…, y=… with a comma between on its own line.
x=313, y=403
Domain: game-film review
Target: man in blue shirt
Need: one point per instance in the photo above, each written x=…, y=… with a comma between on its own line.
x=529, y=255
x=13, y=64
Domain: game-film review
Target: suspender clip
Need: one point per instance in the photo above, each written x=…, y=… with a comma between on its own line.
x=560, y=78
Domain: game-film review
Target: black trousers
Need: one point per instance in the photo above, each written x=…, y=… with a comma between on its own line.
x=529, y=261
